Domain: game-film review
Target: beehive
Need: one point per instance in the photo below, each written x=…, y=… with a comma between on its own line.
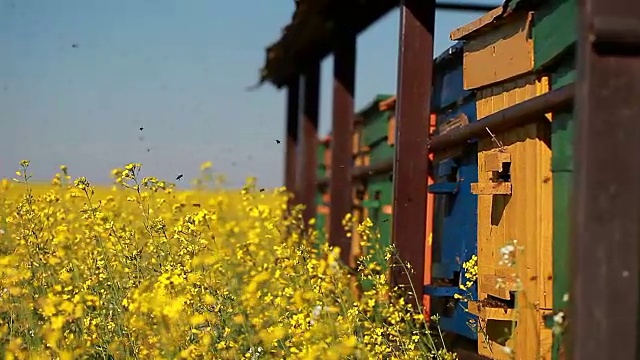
x=428, y=258
x=514, y=191
x=554, y=44
x=379, y=193
x=389, y=105
x=322, y=195
x=375, y=120
x=360, y=158
x=454, y=222
x=497, y=47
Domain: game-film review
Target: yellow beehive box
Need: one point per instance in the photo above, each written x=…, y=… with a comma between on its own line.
x=359, y=151
x=514, y=192
x=497, y=47
x=515, y=221
x=360, y=158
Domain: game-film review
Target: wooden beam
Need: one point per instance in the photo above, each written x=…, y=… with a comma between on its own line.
x=307, y=161
x=291, y=140
x=341, y=143
x=415, y=66
x=605, y=240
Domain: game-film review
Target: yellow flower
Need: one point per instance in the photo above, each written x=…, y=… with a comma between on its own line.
x=144, y=270
x=272, y=334
x=206, y=165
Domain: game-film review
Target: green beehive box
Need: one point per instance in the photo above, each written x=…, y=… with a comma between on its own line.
x=321, y=221
x=375, y=132
x=554, y=53
x=554, y=32
x=321, y=155
x=380, y=152
x=321, y=205
x=378, y=207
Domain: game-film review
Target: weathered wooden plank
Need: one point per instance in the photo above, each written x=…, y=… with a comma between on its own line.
x=417, y=20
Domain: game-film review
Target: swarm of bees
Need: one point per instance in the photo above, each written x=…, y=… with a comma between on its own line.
x=181, y=175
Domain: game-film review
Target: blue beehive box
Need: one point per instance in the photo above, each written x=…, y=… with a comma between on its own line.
x=455, y=207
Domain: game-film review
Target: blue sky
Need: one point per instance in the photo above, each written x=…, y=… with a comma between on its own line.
x=177, y=68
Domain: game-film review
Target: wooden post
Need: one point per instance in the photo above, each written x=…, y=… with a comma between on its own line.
x=307, y=161
x=415, y=66
x=291, y=140
x=605, y=241
x=341, y=142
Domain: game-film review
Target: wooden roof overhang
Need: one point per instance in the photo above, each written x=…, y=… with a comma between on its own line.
x=311, y=35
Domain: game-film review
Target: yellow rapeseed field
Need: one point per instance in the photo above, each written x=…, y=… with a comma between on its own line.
x=143, y=271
